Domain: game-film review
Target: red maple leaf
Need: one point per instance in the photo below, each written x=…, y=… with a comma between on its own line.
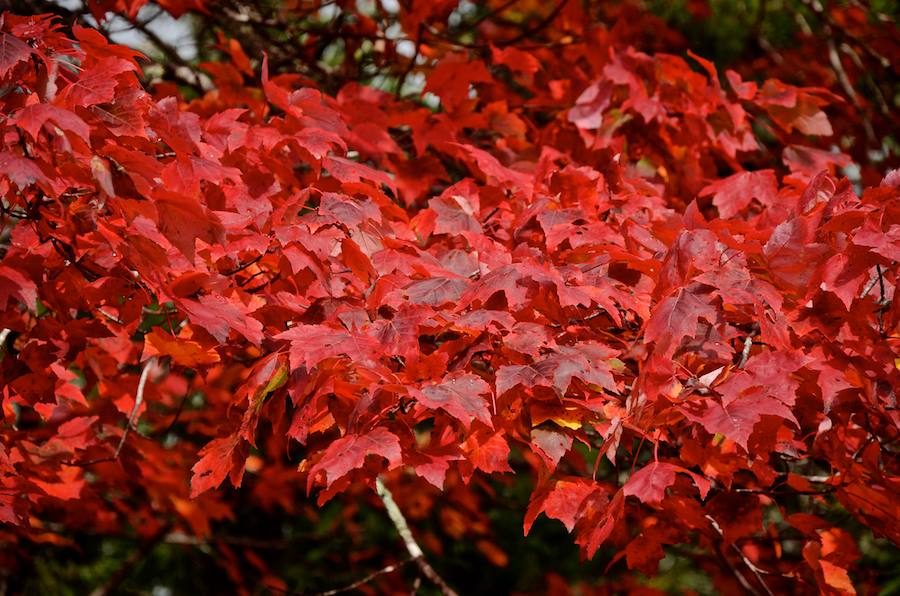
x=733, y=194
x=349, y=453
x=460, y=395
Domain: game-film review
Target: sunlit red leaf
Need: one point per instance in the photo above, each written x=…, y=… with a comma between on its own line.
x=220, y=458
x=733, y=194
x=568, y=500
x=98, y=84
x=649, y=484
x=183, y=221
x=459, y=394
x=349, y=453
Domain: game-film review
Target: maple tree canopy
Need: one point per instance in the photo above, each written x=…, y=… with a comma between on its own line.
x=578, y=258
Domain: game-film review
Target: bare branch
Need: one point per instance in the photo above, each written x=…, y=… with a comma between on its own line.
x=844, y=81
x=110, y=317
x=869, y=287
x=354, y=585
x=745, y=353
x=411, y=545
x=536, y=28
x=412, y=61
x=138, y=400
x=870, y=80
x=753, y=568
x=365, y=580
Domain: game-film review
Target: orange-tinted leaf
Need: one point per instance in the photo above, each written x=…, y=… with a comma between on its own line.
x=183, y=351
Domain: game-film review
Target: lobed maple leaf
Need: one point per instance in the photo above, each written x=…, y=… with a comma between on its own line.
x=311, y=344
x=32, y=119
x=453, y=75
x=676, y=318
x=733, y=194
x=12, y=51
x=460, y=395
x=349, y=453
x=568, y=500
x=307, y=254
x=20, y=170
x=14, y=283
x=737, y=419
x=97, y=84
x=221, y=458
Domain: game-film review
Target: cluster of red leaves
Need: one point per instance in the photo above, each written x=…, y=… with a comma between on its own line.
x=585, y=274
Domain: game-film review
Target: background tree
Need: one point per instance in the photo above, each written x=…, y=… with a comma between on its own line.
x=511, y=258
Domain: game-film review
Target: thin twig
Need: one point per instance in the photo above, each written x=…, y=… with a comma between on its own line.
x=869, y=287
x=536, y=28
x=3, y=335
x=412, y=61
x=154, y=312
x=870, y=81
x=250, y=263
x=817, y=7
x=353, y=586
x=110, y=317
x=844, y=81
x=411, y=545
x=138, y=400
x=737, y=573
x=769, y=49
x=484, y=17
x=171, y=425
x=745, y=353
x=170, y=52
x=365, y=580
x=754, y=569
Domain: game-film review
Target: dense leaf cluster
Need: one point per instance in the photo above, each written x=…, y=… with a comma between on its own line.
x=646, y=290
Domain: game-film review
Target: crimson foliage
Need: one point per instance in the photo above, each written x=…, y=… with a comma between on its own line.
x=582, y=268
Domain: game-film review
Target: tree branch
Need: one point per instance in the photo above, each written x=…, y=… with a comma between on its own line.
x=745, y=353
x=365, y=580
x=138, y=400
x=411, y=545
x=536, y=28
x=354, y=585
x=753, y=568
